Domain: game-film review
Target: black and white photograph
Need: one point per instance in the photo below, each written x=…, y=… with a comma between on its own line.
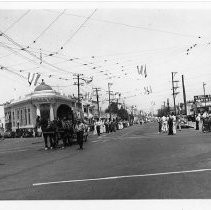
x=105, y=103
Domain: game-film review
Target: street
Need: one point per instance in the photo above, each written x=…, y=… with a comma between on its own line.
x=133, y=163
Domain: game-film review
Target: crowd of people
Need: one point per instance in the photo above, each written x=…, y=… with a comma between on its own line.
x=205, y=120
x=168, y=124
x=66, y=130
x=108, y=126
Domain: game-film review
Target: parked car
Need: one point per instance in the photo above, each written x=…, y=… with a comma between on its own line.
x=7, y=134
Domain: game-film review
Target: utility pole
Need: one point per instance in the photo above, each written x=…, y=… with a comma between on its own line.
x=174, y=88
x=109, y=99
x=97, y=96
x=204, y=94
x=184, y=95
x=168, y=105
x=118, y=97
x=78, y=77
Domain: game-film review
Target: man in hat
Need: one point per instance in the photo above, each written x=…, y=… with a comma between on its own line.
x=80, y=133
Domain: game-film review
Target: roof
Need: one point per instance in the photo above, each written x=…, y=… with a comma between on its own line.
x=42, y=87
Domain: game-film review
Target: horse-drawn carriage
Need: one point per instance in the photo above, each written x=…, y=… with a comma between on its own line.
x=60, y=130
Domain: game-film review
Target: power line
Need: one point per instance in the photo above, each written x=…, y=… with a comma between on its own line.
x=41, y=34
x=87, y=18
x=4, y=56
x=81, y=64
x=78, y=62
x=5, y=68
x=18, y=20
x=30, y=53
x=17, y=53
x=137, y=27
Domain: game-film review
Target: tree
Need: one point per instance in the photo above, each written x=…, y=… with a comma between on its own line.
x=123, y=114
x=113, y=108
x=163, y=112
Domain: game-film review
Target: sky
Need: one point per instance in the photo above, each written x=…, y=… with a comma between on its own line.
x=108, y=45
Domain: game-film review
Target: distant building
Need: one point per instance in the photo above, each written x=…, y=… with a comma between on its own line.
x=199, y=104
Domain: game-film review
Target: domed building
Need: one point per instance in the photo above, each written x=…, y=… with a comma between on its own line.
x=44, y=102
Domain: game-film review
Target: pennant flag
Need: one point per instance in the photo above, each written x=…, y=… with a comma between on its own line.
x=145, y=71
x=29, y=76
x=30, y=82
x=145, y=90
x=36, y=80
x=140, y=70
x=150, y=89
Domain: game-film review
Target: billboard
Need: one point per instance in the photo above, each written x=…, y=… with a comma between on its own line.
x=202, y=98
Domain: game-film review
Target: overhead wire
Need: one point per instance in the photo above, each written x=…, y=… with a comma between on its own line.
x=99, y=72
x=32, y=54
x=83, y=64
x=79, y=28
x=17, y=21
x=21, y=70
x=9, y=70
x=48, y=27
x=137, y=27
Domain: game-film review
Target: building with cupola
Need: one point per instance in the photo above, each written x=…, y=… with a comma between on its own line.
x=44, y=102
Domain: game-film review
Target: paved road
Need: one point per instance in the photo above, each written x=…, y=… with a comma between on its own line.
x=134, y=163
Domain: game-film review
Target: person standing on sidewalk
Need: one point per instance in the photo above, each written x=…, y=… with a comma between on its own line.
x=174, y=123
x=197, y=121
x=80, y=133
x=164, y=124
x=170, y=125
x=159, y=125
x=98, y=125
x=179, y=122
x=107, y=126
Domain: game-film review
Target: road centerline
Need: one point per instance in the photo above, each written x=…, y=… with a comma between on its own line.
x=122, y=177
